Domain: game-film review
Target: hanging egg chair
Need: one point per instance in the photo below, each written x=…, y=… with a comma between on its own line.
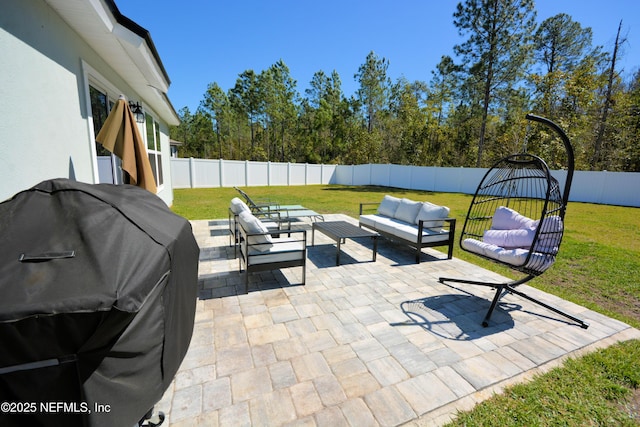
x=516, y=218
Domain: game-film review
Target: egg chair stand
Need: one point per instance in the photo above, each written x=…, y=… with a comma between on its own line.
x=516, y=219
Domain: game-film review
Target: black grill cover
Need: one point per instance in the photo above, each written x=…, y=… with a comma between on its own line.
x=98, y=287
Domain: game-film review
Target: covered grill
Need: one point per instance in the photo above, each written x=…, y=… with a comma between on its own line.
x=98, y=288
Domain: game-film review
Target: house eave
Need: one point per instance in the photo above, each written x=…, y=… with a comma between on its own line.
x=125, y=45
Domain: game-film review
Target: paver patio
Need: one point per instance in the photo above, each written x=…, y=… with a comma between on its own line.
x=362, y=344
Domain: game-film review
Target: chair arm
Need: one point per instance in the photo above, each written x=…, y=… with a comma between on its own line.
x=424, y=223
x=275, y=233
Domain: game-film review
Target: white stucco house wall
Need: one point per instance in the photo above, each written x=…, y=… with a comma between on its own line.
x=63, y=63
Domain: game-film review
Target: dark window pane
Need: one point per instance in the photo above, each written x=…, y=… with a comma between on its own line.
x=152, y=160
x=99, y=112
x=159, y=177
x=150, y=134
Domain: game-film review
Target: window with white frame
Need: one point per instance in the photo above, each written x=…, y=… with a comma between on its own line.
x=153, y=148
x=102, y=97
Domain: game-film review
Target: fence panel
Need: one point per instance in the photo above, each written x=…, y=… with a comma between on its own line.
x=257, y=173
x=297, y=173
x=206, y=173
x=181, y=173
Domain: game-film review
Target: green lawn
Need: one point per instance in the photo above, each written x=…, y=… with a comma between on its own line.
x=598, y=267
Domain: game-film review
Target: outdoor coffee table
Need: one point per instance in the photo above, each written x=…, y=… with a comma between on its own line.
x=341, y=230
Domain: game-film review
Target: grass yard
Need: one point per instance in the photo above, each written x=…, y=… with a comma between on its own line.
x=598, y=267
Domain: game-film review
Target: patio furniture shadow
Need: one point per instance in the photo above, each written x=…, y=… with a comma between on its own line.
x=226, y=284
x=456, y=316
x=323, y=255
x=214, y=232
x=404, y=255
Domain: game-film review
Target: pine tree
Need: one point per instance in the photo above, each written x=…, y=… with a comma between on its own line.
x=498, y=49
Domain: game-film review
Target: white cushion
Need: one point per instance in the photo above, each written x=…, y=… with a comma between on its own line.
x=507, y=219
x=238, y=206
x=283, y=250
x=407, y=211
x=515, y=257
x=521, y=238
x=369, y=220
x=550, y=224
x=403, y=230
x=429, y=212
x=550, y=234
x=251, y=225
x=388, y=206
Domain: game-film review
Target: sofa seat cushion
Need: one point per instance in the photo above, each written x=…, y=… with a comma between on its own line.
x=369, y=220
x=282, y=250
x=403, y=230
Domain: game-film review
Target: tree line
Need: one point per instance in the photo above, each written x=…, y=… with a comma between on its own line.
x=470, y=113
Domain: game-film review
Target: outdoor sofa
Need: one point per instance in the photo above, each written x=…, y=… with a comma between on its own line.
x=417, y=224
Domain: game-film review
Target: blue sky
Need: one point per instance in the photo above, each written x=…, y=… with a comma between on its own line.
x=205, y=41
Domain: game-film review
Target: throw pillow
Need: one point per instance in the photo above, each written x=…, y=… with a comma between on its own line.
x=507, y=219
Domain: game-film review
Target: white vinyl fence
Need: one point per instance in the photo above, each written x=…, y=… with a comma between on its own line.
x=611, y=188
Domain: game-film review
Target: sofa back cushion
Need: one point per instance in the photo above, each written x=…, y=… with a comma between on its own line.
x=388, y=206
x=238, y=206
x=251, y=224
x=430, y=212
x=407, y=211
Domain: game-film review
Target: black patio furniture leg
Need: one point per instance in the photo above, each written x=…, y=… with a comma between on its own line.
x=494, y=302
x=582, y=323
x=509, y=287
x=375, y=247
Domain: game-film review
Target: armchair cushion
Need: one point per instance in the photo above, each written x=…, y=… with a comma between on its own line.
x=252, y=225
x=285, y=249
x=238, y=206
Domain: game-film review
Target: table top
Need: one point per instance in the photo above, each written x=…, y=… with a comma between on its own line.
x=343, y=229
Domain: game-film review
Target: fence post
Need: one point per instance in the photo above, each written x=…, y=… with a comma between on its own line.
x=192, y=172
x=221, y=172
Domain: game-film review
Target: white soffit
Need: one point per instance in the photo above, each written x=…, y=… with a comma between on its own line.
x=124, y=50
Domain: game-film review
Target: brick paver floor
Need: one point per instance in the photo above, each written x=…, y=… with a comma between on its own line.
x=362, y=344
